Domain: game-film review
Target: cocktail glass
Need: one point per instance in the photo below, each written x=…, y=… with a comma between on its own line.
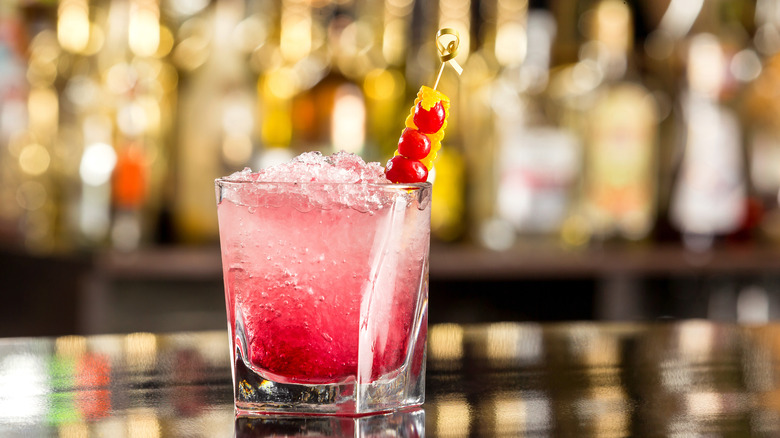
x=326, y=287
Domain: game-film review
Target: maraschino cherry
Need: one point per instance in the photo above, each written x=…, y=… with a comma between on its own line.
x=414, y=144
x=431, y=120
x=404, y=170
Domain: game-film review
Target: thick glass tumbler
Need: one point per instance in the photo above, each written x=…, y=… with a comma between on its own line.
x=326, y=286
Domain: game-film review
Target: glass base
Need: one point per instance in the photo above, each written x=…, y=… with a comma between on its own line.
x=255, y=394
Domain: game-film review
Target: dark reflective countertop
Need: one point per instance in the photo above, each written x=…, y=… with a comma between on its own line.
x=692, y=378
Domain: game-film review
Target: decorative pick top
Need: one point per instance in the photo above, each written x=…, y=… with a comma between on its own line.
x=448, y=52
x=427, y=120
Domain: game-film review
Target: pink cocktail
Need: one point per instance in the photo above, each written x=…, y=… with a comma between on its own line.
x=325, y=267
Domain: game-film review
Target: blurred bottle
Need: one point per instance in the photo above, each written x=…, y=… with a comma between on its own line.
x=709, y=198
x=618, y=119
x=285, y=110
x=761, y=112
x=275, y=118
x=337, y=100
x=536, y=162
x=85, y=125
x=385, y=85
x=479, y=138
x=662, y=51
x=448, y=208
x=568, y=36
x=329, y=106
x=129, y=195
x=216, y=112
x=37, y=158
x=13, y=119
x=118, y=113
x=144, y=116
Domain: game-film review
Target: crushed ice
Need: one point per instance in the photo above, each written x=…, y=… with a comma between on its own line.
x=342, y=179
x=341, y=167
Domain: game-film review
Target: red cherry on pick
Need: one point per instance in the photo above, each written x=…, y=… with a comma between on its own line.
x=414, y=144
x=403, y=170
x=429, y=121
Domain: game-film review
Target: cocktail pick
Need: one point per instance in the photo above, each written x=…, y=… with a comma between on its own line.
x=448, y=52
x=421, y=139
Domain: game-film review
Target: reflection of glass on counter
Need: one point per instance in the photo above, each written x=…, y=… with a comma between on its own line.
x=409, y=424
x=586, y=380
x=101, y=384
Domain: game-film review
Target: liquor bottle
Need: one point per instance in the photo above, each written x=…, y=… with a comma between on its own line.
x=760, y=114
x=536, y=161
x=127, y=129
x=709, y=198
x=275, y=119
x=215, y=84
x=272, y=48
x=384, y=85
x=13, y=119
x=86, y=126
x=619, y=126
x=29, y=122
x=129, y=194
x=329, y=110
x=338, y=97
x=448, y=207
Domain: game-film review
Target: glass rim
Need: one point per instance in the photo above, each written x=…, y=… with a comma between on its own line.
x=239, y=182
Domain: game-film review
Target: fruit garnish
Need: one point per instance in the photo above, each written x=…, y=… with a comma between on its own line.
x=414, y=144
x=404, y=170
x=429, y=121
x=425, y=125
x=428, y=97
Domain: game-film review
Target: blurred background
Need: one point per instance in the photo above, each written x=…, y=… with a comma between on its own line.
x=605, y=160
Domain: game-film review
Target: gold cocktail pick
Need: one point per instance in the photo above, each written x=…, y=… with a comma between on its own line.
x=447, y=53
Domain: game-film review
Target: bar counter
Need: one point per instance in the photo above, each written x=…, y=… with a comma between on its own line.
x=686, y=378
